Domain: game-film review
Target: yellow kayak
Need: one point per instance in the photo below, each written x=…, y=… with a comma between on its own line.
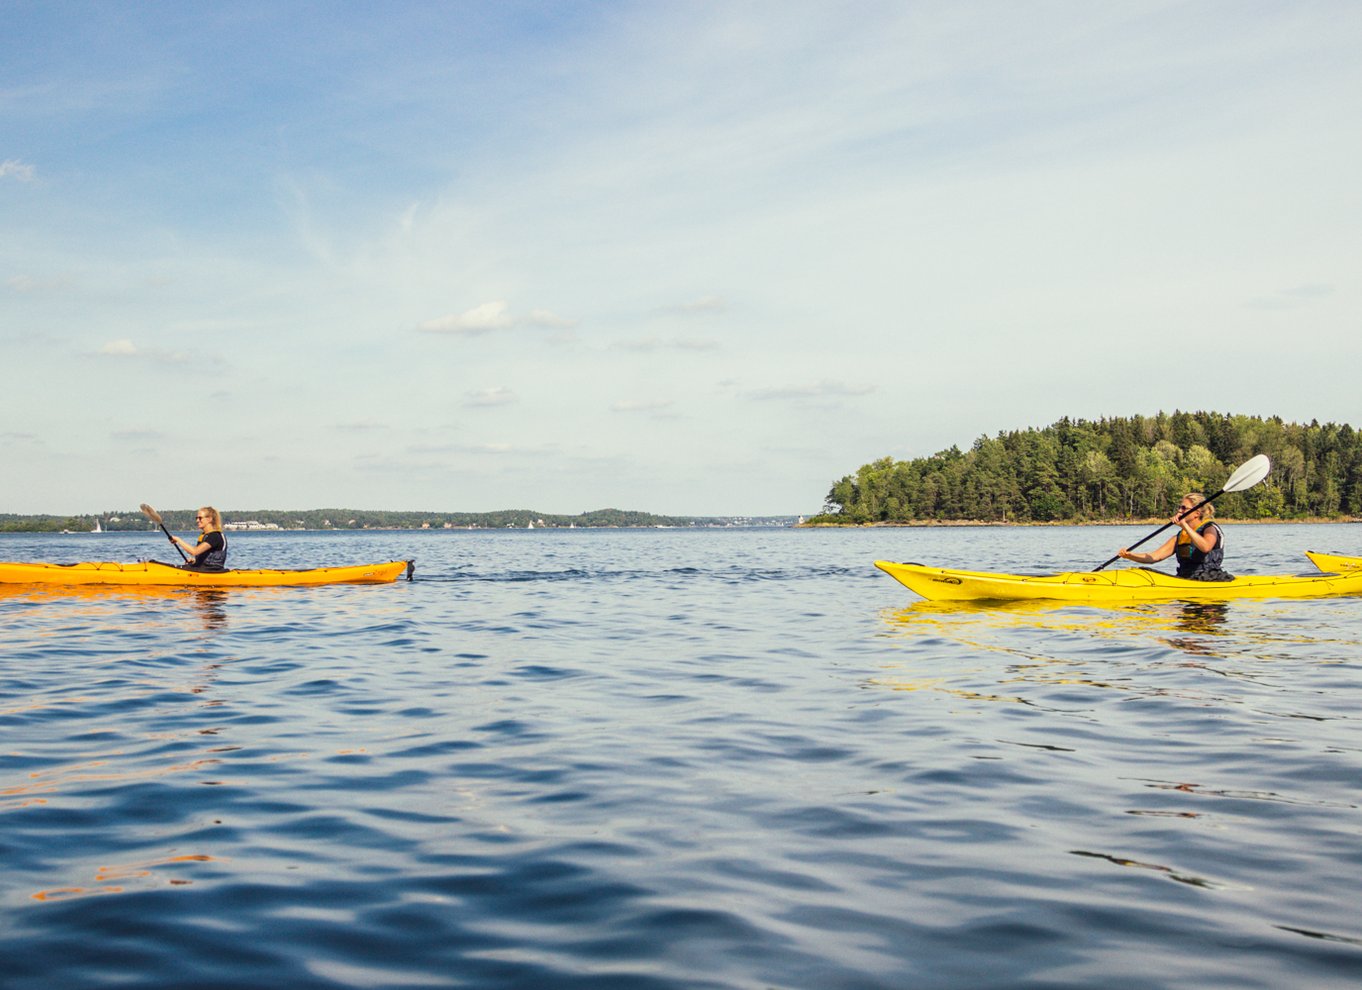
x=1135, y=584
x=153, y=572
x=1334, y=563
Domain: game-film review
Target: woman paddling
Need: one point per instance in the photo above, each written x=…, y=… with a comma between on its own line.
x=1199, y=544
x=210, y=553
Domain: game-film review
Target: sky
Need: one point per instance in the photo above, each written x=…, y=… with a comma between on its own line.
x=697, y=258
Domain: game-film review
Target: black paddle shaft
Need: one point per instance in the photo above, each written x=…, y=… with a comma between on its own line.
x=155, y=517
x=185, y=557
x=1162, y=528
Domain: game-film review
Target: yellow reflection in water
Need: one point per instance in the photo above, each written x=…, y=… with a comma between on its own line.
x=1194, y=629
x=977, y=625
x=1058, y=643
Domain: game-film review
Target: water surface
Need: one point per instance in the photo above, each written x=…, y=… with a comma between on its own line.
x=677, y=759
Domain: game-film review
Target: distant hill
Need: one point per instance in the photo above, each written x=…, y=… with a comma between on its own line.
x=358, y=519
x=1111, y=470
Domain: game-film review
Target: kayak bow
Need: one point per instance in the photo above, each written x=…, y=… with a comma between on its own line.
x=1334, y=563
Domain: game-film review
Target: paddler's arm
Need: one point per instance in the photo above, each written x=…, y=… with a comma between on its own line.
x=1154, y=556
x=190, y=548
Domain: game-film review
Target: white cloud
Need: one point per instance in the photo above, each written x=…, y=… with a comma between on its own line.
x=474, y=322
x=651, y=344
x=497, y=395
x=365, y=426
x=12, y=168
x=1293, y=298
x=36, y=284
x=462, y=448
x=548, y=320
x=126, y=349
x=490, y=317
x=824, y=389
x=704, y=306
x=641, y=405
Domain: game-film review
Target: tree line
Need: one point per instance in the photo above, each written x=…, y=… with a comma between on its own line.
x=1114, y=469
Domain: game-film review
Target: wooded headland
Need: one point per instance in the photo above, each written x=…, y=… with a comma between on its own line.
x=1112, y=470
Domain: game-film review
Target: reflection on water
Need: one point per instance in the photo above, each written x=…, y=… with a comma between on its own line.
x=1058, y=642
x=983, y=625
x=211, y=606
x=1168, y=871
x=1199, y=619
x=1203, y=617
x=126, y=877
x=112, y=602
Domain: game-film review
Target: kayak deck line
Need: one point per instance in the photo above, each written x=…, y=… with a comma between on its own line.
x=155, y=572
x=1342, y=576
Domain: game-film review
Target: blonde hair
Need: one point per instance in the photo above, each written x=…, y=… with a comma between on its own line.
x=217, y=516
x=1206, y=510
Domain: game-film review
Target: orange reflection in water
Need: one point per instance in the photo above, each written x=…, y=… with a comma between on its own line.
x=100, y=601
x=141, y=875
x=38, y=706
x=62, y=779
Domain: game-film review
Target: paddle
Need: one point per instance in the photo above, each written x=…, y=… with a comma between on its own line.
x=155, y=517
x=1251, y=472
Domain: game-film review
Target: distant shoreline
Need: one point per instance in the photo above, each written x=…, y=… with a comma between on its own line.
x=360, y=520
x=951, y=523
x=38, y=530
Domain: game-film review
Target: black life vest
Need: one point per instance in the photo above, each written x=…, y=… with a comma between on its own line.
x=1192, y=561
x=215, y=557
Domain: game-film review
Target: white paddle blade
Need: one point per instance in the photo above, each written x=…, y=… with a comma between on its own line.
x=151, y=513
x=1251, y=472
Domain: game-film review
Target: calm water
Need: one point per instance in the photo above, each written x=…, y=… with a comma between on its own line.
x=674, y=759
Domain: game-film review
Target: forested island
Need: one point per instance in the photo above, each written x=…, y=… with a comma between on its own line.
x=1112, y=470
x=359, y=519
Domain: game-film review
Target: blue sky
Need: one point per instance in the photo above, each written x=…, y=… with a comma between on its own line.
x=683, y=257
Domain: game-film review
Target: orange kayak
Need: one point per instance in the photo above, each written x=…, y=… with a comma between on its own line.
x=152, y=572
